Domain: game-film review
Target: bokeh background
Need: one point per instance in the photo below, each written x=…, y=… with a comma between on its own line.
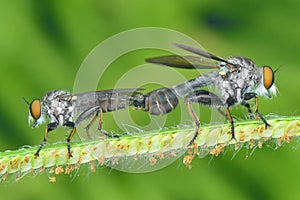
x=43, y=44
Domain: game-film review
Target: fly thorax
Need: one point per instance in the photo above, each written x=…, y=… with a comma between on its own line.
x=225, y=88
x=58, y=106
x=246, y=78
x=242, y=62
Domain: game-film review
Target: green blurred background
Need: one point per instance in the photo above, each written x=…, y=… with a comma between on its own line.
x=43, y=44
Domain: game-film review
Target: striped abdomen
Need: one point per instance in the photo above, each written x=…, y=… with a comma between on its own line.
x=158, y=102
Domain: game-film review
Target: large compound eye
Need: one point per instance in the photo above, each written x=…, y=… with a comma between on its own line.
x=268, y=75
x=35, y=109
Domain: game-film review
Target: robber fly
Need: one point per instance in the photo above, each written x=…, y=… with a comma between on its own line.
x=237, y=78
x=59, y=106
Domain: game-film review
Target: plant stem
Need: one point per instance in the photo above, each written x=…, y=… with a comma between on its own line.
x=154, y=146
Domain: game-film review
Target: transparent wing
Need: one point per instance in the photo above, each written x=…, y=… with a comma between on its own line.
x=107, y=100
x=104, y=93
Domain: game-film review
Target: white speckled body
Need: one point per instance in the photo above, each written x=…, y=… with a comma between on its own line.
x=58, y=105
x=235, y=78
x=240, y=81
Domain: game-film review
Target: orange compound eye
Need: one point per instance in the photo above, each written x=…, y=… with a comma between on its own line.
x=268, y=75
x=35, y=109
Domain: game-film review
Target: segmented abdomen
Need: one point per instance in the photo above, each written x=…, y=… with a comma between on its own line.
x=161, y=101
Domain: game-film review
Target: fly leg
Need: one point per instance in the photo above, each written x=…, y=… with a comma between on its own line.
x=229, y=117
x=50, y=127
x=247, y=105
x=251, y=95
x=260, y=115
x=87, y=128
x=230, y=101
x=196, y=121
x=71, y=125
x=97, y=112
x=205, y=98
x=86, y=114
x=100, y=113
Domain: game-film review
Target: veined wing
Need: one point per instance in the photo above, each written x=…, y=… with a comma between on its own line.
x=107, y=100
x=188, y=62
x=128, y=91
x=101, y=93
x=200, y=52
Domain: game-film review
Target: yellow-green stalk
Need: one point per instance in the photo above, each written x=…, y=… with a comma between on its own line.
x=150, y=147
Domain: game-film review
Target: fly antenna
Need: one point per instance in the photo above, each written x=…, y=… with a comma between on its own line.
x=277, y=69
x=26, y=101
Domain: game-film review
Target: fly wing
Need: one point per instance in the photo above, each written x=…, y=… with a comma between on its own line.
x=188, y=62
x=128, y=91
x=100, y=94
x=200, y=52
x=121, y=91
x=107, y=100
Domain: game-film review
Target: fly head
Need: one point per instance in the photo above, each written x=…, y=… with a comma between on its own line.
x=35, y=112
x=266, y=86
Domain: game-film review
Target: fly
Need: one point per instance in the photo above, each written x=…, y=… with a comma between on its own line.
x=59, y=107
x=237, y=78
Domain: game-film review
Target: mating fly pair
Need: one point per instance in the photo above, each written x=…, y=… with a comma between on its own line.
x=237, y=79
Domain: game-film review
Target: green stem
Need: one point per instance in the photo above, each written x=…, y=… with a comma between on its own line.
x=153, y=146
